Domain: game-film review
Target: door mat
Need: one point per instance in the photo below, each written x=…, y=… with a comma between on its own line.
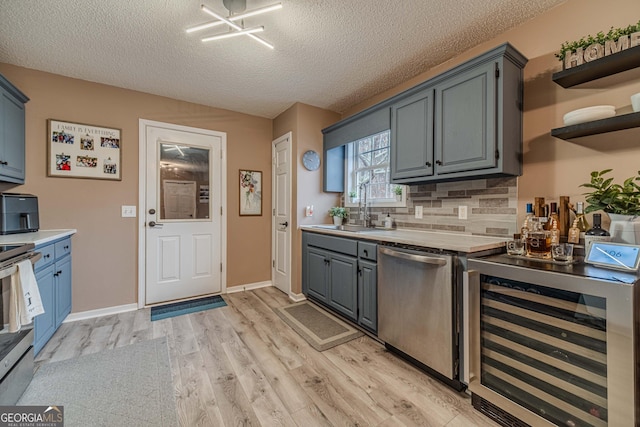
x=186, y=307
x=126, y=386
x=319, y=328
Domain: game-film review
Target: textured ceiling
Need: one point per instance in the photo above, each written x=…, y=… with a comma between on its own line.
x=331, y=54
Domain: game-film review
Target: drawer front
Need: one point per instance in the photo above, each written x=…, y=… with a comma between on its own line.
x=63, y=248
x=368, y=251
x=332, y=243
x=48, y=255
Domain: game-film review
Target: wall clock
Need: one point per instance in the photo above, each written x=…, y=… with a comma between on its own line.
x=311, y=160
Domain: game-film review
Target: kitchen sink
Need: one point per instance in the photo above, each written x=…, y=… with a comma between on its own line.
x=347, y=227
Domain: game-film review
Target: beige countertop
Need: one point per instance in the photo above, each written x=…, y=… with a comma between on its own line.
x=458, y=242
x=36, y=237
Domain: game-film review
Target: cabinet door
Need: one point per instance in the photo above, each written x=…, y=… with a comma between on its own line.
x=316, y=274
x=44, y=324
x=63, y=289
x=368, y=295
x=343, y=287
x=412, y=136
x=465, y=121
x=12, y=145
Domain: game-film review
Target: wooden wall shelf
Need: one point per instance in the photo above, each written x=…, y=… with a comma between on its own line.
x=624, y=121
x=609, y=65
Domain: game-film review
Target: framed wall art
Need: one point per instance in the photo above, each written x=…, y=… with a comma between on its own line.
x=77, y=150
x=250, y=192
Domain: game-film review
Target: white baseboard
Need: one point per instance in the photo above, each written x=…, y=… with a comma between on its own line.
x=73, y=317
x=296, y=297
x=249, y=286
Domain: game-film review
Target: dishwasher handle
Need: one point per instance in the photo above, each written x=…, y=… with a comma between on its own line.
x=413, y=257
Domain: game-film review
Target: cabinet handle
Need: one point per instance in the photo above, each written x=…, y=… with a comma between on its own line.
x=438, y=162
x=3, y=163
x=66, y=247
x=46, y=255
x=428, y=164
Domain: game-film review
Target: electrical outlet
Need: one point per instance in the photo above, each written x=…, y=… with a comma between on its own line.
x=418, y=212
x=128, y=211
x=462, y=212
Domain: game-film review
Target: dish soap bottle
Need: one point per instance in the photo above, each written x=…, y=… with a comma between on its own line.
x=388, y=222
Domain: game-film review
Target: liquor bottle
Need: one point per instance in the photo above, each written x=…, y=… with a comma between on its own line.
x=574, y=233
x=526, y=225
x=583, y=224
x=538, y=241
x=596, y=233
x=554, y=232
x=553, y=216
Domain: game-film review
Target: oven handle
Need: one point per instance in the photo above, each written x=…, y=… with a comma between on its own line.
x=413, y=257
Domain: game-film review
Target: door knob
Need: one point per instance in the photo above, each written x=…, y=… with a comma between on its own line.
x=154, y=224
x=152, y=211
x=285, y=224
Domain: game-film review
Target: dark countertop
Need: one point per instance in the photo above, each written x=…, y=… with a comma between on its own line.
x=578, y=268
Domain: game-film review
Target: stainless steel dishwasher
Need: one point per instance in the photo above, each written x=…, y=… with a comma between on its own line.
x=416, y=314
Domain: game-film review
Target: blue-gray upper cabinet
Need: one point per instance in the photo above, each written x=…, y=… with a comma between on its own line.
x=412, y=136
x=465, y=123
x=12, y=142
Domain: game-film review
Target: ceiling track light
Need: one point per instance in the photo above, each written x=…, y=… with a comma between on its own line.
x=234, y=34
x=234, y=18
x=230, y=22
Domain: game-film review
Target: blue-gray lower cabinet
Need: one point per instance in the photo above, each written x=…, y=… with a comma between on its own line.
x=53, y=274
x=368, y=294
x=341, y=273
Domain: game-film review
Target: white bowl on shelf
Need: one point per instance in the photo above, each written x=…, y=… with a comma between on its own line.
x=597, y=112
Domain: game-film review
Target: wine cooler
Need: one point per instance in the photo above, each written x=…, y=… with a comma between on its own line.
x=552, y=345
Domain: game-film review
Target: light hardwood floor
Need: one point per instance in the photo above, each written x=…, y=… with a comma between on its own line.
x=240, y=365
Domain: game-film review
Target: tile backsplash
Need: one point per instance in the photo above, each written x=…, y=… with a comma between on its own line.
x=491, y=207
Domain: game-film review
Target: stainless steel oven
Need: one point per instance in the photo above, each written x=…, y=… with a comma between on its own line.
x=417, y=308
x=552, y=345
x=16, y=349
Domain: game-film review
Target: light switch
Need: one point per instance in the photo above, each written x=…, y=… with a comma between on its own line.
x=128, y=211
x=418, y=212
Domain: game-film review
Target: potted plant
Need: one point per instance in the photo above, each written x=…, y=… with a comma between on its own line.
x=620, y=201
x=339, y=214
x=397, y=190
x=353, y=196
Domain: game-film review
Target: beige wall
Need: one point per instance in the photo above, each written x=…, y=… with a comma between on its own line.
x=306, y=123
x=105, y=266
x=105, y=247
x=554, y=167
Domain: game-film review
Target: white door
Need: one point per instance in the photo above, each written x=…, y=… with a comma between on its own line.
x=182, y=221
x=281, y=224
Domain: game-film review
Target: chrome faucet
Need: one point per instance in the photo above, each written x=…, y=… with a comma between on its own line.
x=365, y=215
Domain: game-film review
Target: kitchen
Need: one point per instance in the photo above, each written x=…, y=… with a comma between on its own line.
x=551, y=166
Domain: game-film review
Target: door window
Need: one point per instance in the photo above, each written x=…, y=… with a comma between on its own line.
x=183, y=182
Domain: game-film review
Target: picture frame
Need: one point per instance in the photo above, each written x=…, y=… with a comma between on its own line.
x=80, y=150
x=250, y=192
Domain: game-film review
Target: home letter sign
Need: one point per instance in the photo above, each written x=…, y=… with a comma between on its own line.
x=597, y=51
